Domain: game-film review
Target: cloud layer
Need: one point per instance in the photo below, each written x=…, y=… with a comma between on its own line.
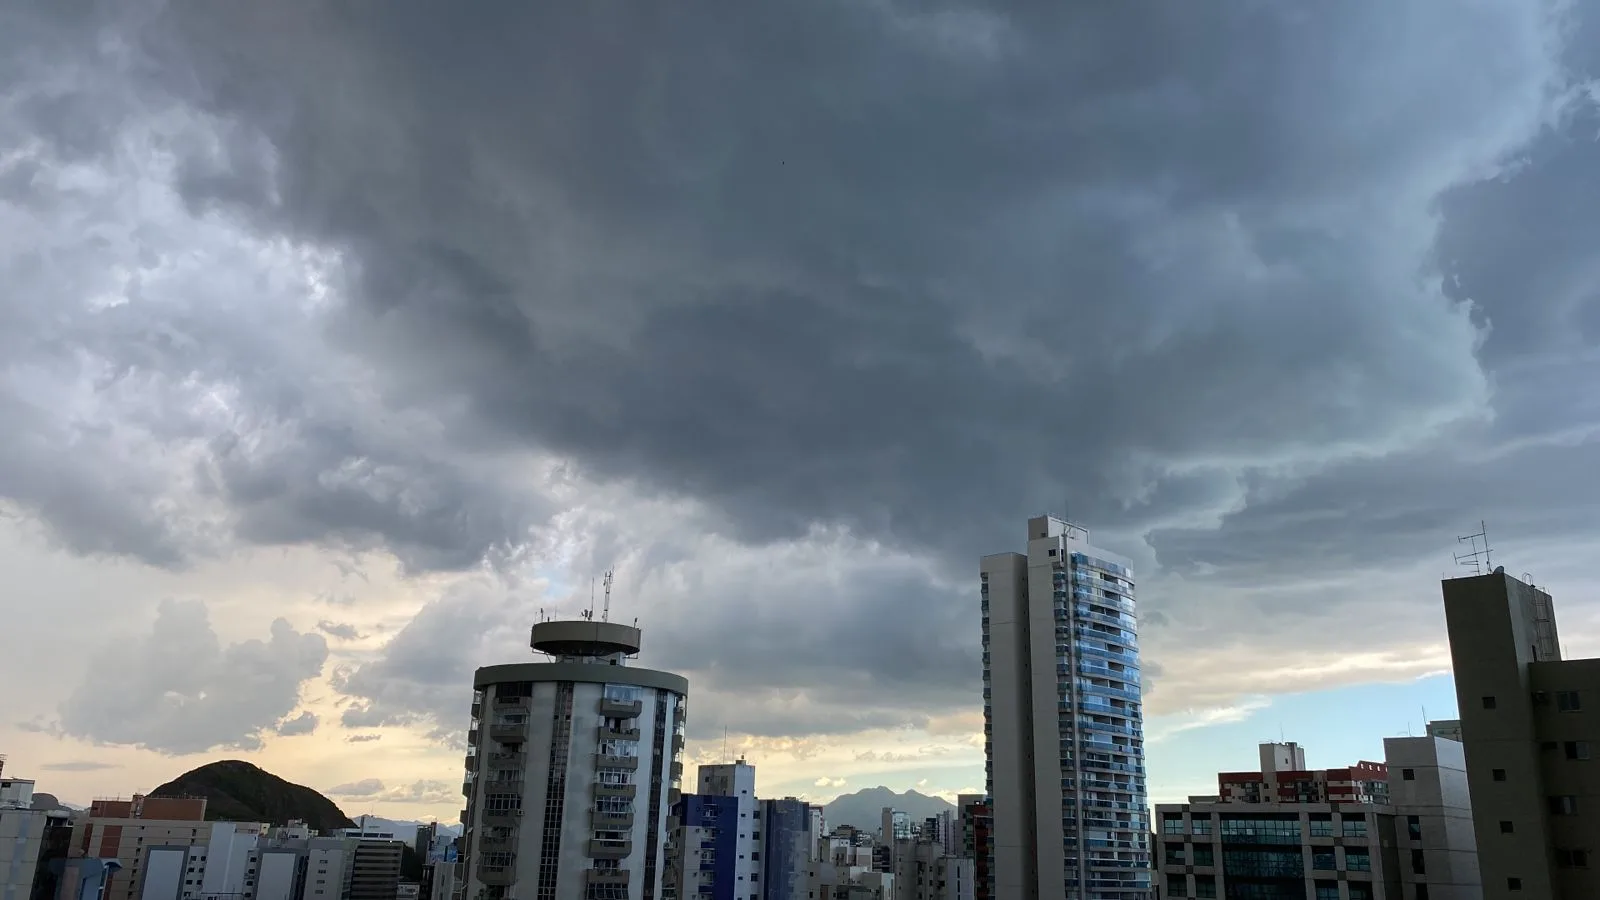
x=788, y=316
x=179, y=690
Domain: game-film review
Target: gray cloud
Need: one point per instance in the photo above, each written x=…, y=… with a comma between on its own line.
x=78, y=765
x=363, y=738
x=305, y=723
x=344, y=631
x=179, y=690
x=366, y=787
x=1270, y=294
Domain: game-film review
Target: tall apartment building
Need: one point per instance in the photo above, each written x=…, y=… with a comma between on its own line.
x=1322, y=835
x=1530, y=722
x=572, y=769
x=1063, y=721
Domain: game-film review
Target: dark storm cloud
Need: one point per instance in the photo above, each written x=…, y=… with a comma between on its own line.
x=1263, y=282
x=869, y=264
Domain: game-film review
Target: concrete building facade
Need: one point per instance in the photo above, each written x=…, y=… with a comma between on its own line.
x=1063, y=721
x=1530, y=723
x=1417, y=844
x=123, y=830
x=572, y=769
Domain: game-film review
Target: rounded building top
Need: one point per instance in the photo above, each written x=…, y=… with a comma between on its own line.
x=583, y=637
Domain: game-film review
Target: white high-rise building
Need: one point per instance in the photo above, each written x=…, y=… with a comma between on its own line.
x=572, y=768
x=1063, y=721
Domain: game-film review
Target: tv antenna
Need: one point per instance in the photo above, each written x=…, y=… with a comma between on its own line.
x=1478, y=558
x=605, y=615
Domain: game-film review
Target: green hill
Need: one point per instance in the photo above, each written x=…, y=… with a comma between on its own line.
x=240, y=792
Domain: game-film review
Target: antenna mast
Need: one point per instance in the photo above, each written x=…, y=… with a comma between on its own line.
x=1478, y=558
x=605, y=615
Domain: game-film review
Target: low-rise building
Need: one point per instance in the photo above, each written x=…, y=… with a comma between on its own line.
x=1417, y=844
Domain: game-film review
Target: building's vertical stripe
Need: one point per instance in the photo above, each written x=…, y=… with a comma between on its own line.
x=652, y=841
x=555, y=793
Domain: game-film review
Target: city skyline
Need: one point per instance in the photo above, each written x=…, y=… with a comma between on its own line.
x=333, y=350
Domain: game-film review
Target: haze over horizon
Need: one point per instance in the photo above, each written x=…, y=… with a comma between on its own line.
x=337, y=347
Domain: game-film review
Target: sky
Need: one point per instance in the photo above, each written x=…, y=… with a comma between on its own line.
x=339, y=342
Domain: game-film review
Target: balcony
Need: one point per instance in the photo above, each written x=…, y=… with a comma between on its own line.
x=505, y=786
x=511, y=702
x=605, y=761
x=497, y=843
x=514, y=732
x=621, y=709
x=466, y=788
x=677, y=771
x=608, y=876
x=502, y=761
x=677, y=744
x=609, y=849
x=611, y=821
x=497, y=875
x=618, y=734
x=503, y=818
x=628, y=791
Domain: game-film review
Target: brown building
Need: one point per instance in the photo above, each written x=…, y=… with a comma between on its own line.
x=1284, y=778
x=1530, y=722
x=123, y=829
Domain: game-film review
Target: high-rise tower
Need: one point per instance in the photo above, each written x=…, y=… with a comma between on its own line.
x=572, y=767
x=1063, y=723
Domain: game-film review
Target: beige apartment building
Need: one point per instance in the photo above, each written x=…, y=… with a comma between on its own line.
x=1530, y=723
x=125, y=829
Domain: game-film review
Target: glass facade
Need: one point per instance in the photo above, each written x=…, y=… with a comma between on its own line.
x=1086, y=599
x=1104, y=808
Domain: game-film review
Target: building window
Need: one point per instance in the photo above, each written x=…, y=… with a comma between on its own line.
x=1568, y=701
x=1354, y=828
x=1414, y=827
x=1513, y=884
x=1488, y=703
x=1175, y=855
x=1201, y=826
x=1177, y=885
x=1328, y=890
x=1172, y=823
x=1505, y=827
x=1419, y=863
x=1572, y=859
x=1577, y=749
x=1357, y=861
x=1321, y=825
x=1205, y=887
x=1203, y=855
x=1564, y=805
x=1498, y=774
x=1408, y=774
x=1322, y=859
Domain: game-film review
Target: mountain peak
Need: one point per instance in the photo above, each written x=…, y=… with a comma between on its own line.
x=239, y=791
x=863, y=809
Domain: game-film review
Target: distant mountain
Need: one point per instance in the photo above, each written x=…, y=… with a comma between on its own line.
x=864, y=808
x=240, y=792
x=402, y=829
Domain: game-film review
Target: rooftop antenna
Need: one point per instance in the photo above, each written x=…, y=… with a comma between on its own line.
x=605, y=615
x=1478, y=557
